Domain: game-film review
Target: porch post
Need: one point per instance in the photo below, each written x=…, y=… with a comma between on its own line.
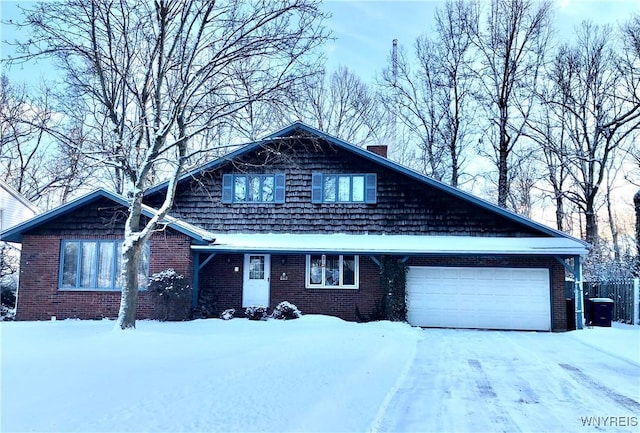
x=577, y=262
x=195, y=280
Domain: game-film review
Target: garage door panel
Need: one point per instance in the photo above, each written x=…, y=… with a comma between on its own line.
x=496, y=298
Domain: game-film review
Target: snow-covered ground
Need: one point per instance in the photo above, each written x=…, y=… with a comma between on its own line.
x=312, y=374
x=507, y=381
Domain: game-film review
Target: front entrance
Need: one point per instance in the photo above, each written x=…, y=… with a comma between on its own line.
x=255, y=285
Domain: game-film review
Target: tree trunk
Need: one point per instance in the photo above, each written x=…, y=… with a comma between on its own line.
x=559, y=211
x=612, y=227
x=636, y=202
x=131, y=253
x=129, y=297
x=591, y=224
x=503, y=176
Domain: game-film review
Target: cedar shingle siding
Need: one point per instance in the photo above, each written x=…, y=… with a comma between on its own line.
x=403, y=207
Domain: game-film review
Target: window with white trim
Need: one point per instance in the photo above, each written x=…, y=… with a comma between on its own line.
x=343, y=188
x=96, y=265
x=326, y=271
x=253, y=188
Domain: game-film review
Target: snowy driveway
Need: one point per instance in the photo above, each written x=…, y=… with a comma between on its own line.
x=465, y=380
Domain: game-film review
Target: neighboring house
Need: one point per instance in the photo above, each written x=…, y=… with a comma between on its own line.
x=14, y=209
x=305, y=217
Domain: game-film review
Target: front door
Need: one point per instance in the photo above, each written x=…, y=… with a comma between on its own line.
x=255, y=287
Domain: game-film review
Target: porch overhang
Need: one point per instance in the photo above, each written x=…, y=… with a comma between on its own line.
x=364, y=244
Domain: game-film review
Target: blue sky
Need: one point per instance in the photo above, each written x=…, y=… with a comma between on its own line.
x=364, y=30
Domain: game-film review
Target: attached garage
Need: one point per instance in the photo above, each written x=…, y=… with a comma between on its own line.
x=479, y=297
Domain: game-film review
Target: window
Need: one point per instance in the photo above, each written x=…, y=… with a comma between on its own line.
x=332, y=271
x=343, y=188
x=253, y=188
x=96, y=265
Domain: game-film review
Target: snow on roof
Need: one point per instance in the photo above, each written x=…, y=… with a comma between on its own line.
x=392, y=244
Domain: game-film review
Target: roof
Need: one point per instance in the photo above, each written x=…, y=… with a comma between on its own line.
x=15, y=194
x=393, y=244
x=299, y=127
x=14, y=234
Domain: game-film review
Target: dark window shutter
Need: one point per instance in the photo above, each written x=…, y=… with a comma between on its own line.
x=370, y=188
x=227, y=188
x=279, y=189
x=316, y=188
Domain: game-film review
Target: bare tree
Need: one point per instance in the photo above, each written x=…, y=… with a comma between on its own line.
x=162, y=72
x=636, y=205
x=433, y=100
x=338, y=103
x=512, y=43
x=601, y=111
x=37, y=152
x=409, y=94
x=545, y=127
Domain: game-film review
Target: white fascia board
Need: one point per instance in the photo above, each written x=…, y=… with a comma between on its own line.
x=393, y=244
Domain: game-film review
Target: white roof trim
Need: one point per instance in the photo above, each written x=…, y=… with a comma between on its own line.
x=393, y=244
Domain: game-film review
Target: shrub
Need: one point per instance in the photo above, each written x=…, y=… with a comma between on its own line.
x=7, y=314
x=256, y=312
x=172, y=293
x=228, y=314
x=286, y=311
x=8, y=297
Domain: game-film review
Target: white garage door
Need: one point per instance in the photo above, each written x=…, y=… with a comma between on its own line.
x=487, y=298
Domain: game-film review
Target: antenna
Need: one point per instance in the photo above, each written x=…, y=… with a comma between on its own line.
x=394, y=114
x=394, y=62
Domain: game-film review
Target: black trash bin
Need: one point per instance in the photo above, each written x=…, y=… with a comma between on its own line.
x=571, y=314
x=600, y=311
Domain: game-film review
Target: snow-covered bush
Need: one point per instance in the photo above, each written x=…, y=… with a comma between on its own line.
x=7, y=314
x=172, y=293
x=228, y=314
x=286, y=311
x=256, y=312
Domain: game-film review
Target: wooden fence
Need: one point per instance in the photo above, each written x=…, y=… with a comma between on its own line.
x=626, y=305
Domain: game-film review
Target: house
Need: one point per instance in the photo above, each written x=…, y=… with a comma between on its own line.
x=305, y=217
x=14, y=208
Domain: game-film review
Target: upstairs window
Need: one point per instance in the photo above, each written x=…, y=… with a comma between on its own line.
x=343, y=188
x=96, y=265
x=253, y=188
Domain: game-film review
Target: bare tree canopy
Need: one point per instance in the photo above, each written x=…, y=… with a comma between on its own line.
x=430, y=92
x=597, y=94
x=512, y=39
x=154, y=74
x=338, y=103
x=38, y=152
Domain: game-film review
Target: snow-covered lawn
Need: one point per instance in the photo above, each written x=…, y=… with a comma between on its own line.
x=312, y=374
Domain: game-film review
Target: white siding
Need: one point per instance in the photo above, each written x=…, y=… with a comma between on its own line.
x=13, y=208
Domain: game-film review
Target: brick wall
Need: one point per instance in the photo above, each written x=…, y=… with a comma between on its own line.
x=221, y=287
x=40, y=299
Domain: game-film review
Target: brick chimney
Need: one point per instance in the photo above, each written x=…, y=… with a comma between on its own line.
x=378, y=149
